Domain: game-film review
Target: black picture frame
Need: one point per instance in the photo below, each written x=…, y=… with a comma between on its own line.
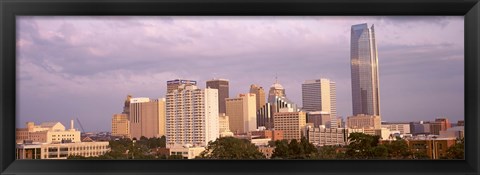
x=470, y=9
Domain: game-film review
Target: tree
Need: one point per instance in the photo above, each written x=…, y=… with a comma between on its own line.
x=328, y=152
x=294, y=149
x=362, y=146
x=231, y=148
x=456, y=151
x=398, y=149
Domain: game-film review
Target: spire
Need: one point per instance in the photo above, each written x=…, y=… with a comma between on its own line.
x=276, y=78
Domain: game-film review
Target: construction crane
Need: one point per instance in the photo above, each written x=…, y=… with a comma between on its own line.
x=83, y=130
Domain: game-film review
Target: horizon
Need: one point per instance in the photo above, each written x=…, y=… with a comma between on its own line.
x=84, y=67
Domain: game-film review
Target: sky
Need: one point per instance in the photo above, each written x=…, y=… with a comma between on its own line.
x=84, y=67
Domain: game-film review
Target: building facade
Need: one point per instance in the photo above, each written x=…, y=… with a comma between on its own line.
x=259, y=94
x=364, y=70
x=191, y=116
x=320, y=95
x=364, y=121
x=241, y=112
x=320, y=118
x=322, y=136
x=223, y=92
x=47, y=132
x=61, y=150
x=291, y=123
x=147, y=117
x=403, y=128
x=120, y=125
x=174, y=84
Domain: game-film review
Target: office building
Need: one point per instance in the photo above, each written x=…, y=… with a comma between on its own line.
x=37, y=150
x=364, y=122
x=223, y=93
x=259, y=95
x=120, y=126
x=321, y=118
x=364, y=71
x=241, y=113
x=321, y=136
x=320, y=95
x=276, y=90
x=47, y=132
x=291, y=123
x=147, y=117
x=271, y=134
x=191, y=116
x=402, y=128
x=174, y=84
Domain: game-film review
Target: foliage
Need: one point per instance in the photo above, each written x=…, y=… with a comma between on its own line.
x=231, y=148
x=398, y=149
x=125, y=149
x=362, y=146
x=294, y=149
x=456, y=151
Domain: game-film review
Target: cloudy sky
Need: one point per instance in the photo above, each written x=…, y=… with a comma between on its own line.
x=83, y=67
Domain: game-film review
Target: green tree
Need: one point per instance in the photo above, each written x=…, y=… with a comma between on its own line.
x=328, y=152
x=398, y=149
x=456, y=151
x=362, y=146
x=294, y=149
x=231, y=148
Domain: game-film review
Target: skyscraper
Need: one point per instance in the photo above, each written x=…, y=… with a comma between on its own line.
x=222, y=86
x=260, y=95
x=191, y=116
x=241, y=113
x=120, y=125
x=320, y=95
x=364, y=67
x=275, y=90
x=147, y=117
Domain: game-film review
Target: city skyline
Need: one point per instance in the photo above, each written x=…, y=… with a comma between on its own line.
x=74, y=69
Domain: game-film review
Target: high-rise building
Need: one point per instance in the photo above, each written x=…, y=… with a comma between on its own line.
x=276, y=90
x=120, y=125
x=174, y=84
x=364, y=71
x=147, y=117
x=319, y=95
x=222, y=86
x=224, y=124
x=260, y=95
x=291, y=123
x=126, y=106
x=192, y=116
x=241, y=112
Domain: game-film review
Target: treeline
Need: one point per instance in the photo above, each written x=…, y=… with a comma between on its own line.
x=361, y=146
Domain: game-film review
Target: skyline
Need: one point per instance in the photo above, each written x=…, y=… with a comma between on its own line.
x=135, y=49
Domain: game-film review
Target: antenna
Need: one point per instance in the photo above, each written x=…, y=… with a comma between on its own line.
x=276, y=78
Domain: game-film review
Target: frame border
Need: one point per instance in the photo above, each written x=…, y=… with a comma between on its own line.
x=9, y=9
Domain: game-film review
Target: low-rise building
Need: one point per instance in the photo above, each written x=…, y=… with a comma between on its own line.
x=187, y=152
x=364, y=121
x=47, y=132
x=403, y=128
x=38, y=150
x=327, y=136
x=272, y=134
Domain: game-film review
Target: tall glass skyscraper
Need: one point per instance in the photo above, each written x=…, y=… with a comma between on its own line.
x=364, y=67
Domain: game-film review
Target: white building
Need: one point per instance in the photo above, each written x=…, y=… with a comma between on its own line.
x=191, y=116
x=403, y=128
x=61, y=150
x=187, y=152
x=47, y=132
x=322, y=136
x=320, y=95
